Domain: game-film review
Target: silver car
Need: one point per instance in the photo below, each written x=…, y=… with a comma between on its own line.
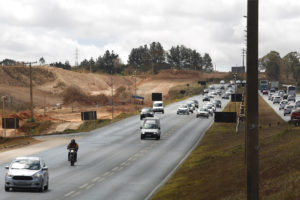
x=183, y=109
x=288, y=109
x=27, y=173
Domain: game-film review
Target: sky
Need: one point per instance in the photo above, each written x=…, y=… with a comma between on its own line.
x=54, y=29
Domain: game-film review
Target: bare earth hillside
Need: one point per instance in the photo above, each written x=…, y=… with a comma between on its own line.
x=50, y=83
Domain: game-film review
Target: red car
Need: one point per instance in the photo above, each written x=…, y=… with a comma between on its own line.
x=295, y=116
x=265, y=92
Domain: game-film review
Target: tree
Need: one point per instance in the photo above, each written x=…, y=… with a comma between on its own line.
x=174, y=57
x=8, y=62
x=272, y=63
x=196, y=60
x=207, y=63
x=157, y=53
x=292, y=65
x=42, y=61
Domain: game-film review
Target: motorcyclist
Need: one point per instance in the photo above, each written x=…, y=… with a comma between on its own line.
x=73, y=145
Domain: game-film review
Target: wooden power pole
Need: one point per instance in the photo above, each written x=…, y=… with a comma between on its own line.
x=31, y=95
x=252, y=145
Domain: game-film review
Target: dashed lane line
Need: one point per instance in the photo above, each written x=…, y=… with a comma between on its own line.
x=83, y=186
x=70, y=193
x=100, y=180
x=106, y=174
x=90, y=186
x=115, y=169
x=76, y=194
x=96, y=179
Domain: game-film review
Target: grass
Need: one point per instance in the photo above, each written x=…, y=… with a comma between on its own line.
x=6, y=143
x=216, y=168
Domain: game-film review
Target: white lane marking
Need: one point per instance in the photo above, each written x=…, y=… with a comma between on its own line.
x=120, y=169
x=106, y=174
x=83, y=186
x=77, y=193
x=124, y=163
x=115, y=169
x=100, y=180
x=90, y=186
x=111, y=173
x=69, y=193
x=96, y=179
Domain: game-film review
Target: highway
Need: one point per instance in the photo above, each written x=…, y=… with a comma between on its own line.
x=275, y=107
x=114, y=163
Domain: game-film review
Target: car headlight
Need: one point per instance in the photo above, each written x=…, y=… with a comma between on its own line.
x=37, y=175
x=9, y=175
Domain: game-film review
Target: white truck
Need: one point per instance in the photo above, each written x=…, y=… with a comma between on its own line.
x=274, y=85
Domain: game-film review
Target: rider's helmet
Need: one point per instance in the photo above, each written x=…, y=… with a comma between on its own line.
x=73, y=141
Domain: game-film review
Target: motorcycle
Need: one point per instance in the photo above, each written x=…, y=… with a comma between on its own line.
x=72, y=156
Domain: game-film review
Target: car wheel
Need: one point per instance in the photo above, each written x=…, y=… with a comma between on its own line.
x=142, y=137
x=47, y=186
x=42, y=187
x=283, y=114
x=158, y=137
x=163, y=112
x=6, y=189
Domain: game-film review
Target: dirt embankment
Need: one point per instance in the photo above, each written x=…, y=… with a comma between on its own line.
x=50, y=85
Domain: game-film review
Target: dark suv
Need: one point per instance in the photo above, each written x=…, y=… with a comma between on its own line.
x=146, y=112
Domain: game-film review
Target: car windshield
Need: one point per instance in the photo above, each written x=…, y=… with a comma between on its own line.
x=158, y=104
x=150, y=124
x=203, y=109
x=26, y=164
x=146, y=110
x=183, y=106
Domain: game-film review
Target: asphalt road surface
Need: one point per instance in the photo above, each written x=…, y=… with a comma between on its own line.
x=276, y=106
x=114, y=163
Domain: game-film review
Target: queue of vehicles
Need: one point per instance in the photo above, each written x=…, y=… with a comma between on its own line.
x=32, y=172
x=286, y=100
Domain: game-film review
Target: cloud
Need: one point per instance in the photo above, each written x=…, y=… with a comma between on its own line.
x=30, y=29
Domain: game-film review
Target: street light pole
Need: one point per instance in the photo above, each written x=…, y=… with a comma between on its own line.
x=252, y=140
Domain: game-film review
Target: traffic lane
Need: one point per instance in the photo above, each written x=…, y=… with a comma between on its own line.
x=275, y=107
x=60, y=170
x=65, y=178
x=150, y=165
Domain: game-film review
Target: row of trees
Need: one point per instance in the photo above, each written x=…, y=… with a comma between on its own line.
x=285, y=69
x=152, y=57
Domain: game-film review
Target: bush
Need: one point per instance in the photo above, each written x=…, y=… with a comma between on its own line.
x=75, y=94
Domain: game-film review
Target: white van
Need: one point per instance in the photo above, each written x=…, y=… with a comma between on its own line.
x=158, y=106
x=150, y=128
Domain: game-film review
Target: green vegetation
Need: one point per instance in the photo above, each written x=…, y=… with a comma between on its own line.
x=285, y=69
x=216, y=168
x=35, y=128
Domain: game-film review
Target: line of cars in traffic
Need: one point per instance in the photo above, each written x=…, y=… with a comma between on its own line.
x=150, y=124
x=287, y=103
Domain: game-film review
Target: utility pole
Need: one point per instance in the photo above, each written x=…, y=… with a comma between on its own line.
x=31, y=96
x=112, y=97
x=135, y=82
x=252, y=146
x=3, y=121
x=243, y=54
x=76, y=57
